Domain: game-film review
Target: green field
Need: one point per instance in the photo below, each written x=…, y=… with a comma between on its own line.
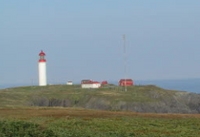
x=69, y=122
x=69, y=111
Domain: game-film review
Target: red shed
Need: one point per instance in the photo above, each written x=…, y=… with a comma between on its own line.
x=126, y=82
x=104, y=82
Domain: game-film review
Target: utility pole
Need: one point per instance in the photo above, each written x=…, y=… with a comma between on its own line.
x=124, y=38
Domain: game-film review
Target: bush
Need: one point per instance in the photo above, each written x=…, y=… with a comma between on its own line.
x=23, y=129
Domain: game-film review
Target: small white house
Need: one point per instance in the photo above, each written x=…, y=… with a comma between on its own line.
x=69, y=83
x=90, y=84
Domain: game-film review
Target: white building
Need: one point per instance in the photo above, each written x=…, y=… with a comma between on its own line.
x=90, y=84
x=69, y=83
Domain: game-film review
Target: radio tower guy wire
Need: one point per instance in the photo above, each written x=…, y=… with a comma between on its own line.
x=124, y=38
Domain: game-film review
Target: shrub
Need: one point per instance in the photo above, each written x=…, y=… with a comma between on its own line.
x=23, y=129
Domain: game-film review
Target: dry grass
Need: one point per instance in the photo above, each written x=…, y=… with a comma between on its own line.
x=110, y=93
x=80, y=113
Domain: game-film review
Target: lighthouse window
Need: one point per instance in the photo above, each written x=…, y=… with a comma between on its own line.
x=41, y=57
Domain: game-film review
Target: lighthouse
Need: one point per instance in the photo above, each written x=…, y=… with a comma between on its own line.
x=42, y=69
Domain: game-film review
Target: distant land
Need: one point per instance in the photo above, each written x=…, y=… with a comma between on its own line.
x=189, y=85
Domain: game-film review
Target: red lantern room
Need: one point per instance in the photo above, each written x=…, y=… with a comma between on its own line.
x=42, y=55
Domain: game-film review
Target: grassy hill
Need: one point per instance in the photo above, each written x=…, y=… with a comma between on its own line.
x=21, y=116
x=138, y=98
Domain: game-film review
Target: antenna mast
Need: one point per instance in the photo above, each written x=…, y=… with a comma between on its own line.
x=124, y=38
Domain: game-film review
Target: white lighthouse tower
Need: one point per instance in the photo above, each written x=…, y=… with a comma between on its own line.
x=42, y=69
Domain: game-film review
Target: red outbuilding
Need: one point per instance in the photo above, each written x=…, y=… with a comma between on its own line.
x=104, y=83
x=126, y=82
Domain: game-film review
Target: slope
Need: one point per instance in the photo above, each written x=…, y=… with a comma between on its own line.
x=138, y=98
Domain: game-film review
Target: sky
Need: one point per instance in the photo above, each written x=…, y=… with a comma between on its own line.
x=84, y=40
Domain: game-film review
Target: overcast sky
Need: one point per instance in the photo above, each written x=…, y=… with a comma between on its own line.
x=83, y=39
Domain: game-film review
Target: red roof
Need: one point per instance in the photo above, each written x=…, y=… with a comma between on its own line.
x=85, y=81
x=95, y=82
x=89, y=82
x=42, y=53
x=104, y=82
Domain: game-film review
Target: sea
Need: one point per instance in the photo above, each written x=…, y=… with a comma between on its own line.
x=189, y=85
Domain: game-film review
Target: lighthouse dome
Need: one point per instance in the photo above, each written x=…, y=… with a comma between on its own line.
x=42, y=53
